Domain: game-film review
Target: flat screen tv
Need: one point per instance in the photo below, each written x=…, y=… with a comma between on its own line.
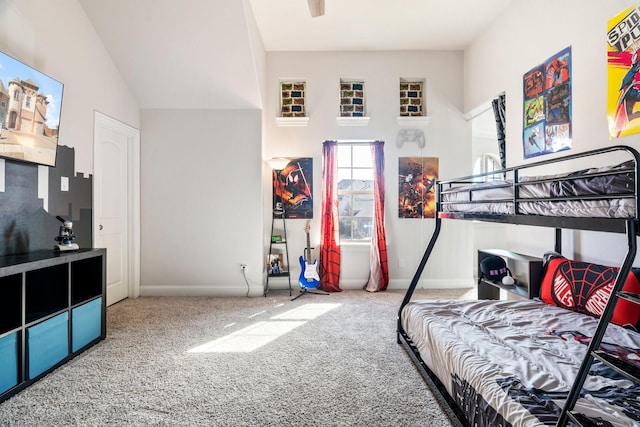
x=30, y=107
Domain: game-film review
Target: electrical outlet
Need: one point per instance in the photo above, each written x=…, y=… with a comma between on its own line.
x=243, y=267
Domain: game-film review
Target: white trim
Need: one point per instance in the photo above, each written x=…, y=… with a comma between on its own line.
x=133, y=201
x=459, y=283
x=352, y=284
x=480, y=109
x=43, y=186
x=257, y=290
x=208, y=291
x=477, y=111
x=134, y=215
x=292, y=121
x=352, y=121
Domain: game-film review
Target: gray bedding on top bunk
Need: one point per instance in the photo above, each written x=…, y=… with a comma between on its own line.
x=513, y=362
x=496, y=197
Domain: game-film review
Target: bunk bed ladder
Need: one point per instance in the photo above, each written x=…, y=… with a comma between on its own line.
x=593, y=351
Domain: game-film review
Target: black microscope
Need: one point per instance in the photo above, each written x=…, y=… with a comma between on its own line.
x=65, y=237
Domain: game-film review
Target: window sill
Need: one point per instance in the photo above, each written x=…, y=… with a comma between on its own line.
x=352, y=121
x=292, y=121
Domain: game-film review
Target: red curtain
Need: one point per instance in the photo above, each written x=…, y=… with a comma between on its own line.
x=378, y=263
x=329, y=268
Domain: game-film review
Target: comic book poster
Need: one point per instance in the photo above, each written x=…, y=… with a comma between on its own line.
x=293, y=189
x=547, y=106
x=623, y=73
x=417, y=178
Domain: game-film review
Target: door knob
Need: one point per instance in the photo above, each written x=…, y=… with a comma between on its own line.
x=100, y=227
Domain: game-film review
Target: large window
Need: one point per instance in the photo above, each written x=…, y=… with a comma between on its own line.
x=355, y=191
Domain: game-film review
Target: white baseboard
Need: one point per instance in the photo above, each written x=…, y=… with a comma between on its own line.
x=200, y=291
x=458, y=283
x=424, y=283
x=257, y=291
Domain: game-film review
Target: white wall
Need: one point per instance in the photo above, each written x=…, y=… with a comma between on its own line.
x=202, y=196
x=57, y=39
x=448, y=137
x=201, y=202
x=201, y=170
x=497, y=61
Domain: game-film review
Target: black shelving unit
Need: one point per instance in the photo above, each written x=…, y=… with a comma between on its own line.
x=52, y=307
x=280, y=247
x=525, y=269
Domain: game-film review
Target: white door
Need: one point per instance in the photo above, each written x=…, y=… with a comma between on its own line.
x=115, y=203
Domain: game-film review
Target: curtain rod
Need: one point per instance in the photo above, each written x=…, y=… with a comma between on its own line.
x=357, y=141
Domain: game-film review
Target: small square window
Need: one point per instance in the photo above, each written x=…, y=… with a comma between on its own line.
x=292, y=99
x=412, y=98
x=351, y=98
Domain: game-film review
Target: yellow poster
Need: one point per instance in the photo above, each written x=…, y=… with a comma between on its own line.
x=623, y=65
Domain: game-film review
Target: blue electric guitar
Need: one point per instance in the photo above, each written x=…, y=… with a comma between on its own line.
x=309, y=278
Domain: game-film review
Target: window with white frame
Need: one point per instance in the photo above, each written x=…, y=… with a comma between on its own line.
x=355, y=191
x=486, y=163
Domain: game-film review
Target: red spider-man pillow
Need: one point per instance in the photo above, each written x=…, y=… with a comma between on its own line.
x=585, y=287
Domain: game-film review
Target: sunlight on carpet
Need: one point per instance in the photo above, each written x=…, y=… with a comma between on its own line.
x=261, y=333
x=306, y=312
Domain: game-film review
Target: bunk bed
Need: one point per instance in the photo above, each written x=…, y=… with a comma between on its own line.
x=530, y=362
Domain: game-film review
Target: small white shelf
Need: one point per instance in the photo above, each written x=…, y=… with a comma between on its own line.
x=353, y=121
x=413, y=121
x=292, y=121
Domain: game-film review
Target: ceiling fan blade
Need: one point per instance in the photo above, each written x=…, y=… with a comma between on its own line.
x=316, y=7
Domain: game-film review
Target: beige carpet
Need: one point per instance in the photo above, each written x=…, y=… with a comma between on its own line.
x=317, y=361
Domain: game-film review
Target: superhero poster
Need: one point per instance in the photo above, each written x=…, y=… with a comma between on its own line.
x=623, y=73
x=417, y=178
x=293, y=189
x=547, y=106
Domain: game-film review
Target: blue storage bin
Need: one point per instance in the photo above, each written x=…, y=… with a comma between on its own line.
x=9, y=365
x=86, y=323
x=47, y=344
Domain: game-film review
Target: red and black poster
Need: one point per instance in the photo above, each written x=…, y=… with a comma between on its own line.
x=623, y=73
x=293, y=189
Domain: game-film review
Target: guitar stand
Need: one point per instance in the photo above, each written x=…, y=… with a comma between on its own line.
x=307, y=291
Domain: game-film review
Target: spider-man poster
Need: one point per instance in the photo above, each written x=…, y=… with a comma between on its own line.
x=293, y=189
x=547, y=106
x=417, y=178
x=623, y=64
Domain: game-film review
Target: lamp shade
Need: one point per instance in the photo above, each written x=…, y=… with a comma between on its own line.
x=316, y=7
x=278, y=163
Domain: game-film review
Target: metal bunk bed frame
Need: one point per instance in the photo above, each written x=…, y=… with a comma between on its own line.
x=630, y=226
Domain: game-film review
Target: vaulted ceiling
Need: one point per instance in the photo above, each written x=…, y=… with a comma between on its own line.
x=203, y=54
